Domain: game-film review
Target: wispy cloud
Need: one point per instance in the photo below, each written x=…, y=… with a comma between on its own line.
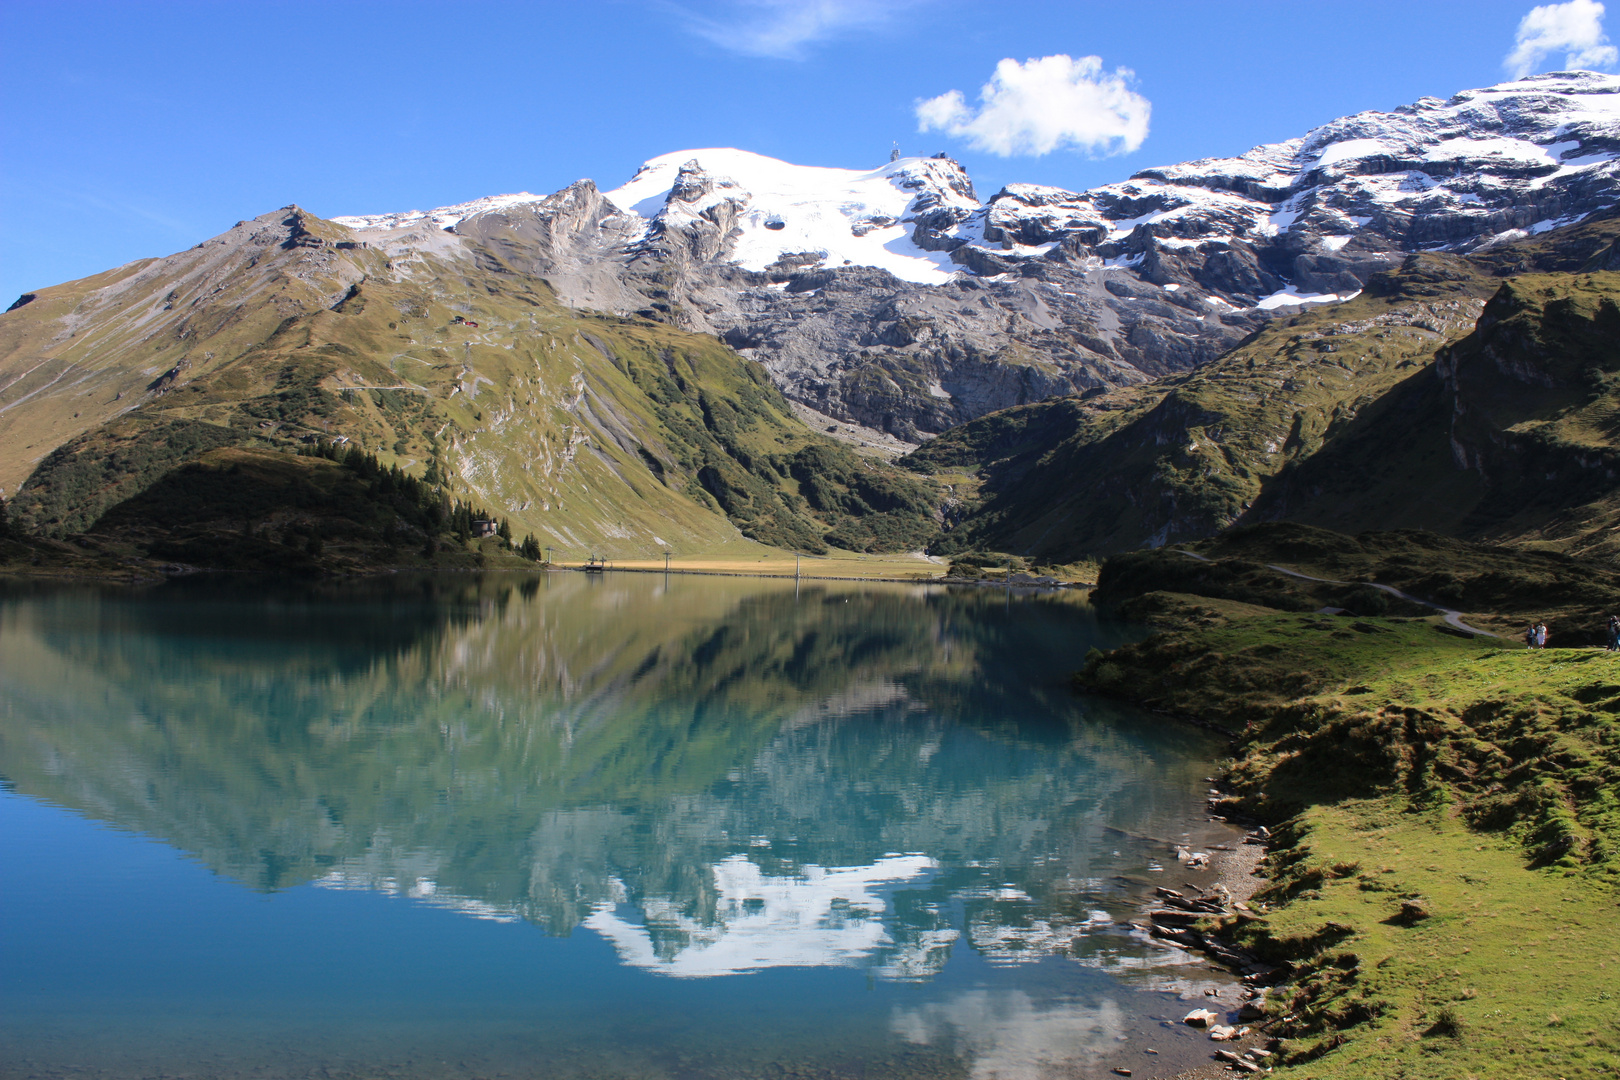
x=784, y=29
x=120, y=207
x=1574, y=29
x=1045, y=104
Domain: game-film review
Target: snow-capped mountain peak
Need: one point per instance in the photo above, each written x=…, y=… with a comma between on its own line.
x=443, y=217
x=1431, y=174
x=826, y=275
x=1488, y=164
x=849, y=216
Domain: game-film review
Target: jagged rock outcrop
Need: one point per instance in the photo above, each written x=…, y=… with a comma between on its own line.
x=699, y=221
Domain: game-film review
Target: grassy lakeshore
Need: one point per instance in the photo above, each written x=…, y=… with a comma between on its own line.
x=1444, y=872
x=759, y=560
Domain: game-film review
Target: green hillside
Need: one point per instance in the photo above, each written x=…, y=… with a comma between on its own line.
x=1443, y=813
x=1511, y=437
x=592, y=432
x=1353, y=416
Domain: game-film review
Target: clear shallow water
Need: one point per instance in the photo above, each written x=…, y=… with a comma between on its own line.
x=638, y=827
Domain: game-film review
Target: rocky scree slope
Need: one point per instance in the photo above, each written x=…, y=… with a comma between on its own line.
x=894, y=298
x=1465, y=394
x=592, y=432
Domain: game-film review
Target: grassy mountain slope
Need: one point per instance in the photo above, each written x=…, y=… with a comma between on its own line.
x=1515, y=437
x=79, y=354
x=592, y=432
x=1297, y=420
x=1443, y=865
x=324, y=510
x=1186, y=456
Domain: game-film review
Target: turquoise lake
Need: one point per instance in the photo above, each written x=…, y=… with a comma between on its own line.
x=633, y=826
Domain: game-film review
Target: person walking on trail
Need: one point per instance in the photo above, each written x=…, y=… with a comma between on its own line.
x=1614, y=633
x=1541, y=635
x=1532, y=636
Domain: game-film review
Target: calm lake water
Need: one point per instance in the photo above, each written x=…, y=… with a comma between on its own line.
x=566, y=827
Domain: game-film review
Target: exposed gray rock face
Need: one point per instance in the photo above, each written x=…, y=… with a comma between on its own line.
x=698, y=224
x=575, y=239
x=1029, y=214
x=913, y=359
x=896, y=300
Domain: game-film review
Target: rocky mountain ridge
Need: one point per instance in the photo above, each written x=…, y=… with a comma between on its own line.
x=895, y=299
x=891, y=298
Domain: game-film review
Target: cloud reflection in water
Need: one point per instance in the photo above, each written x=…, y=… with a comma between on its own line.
x=1008, y=1036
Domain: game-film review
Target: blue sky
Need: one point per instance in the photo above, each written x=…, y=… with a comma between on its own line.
x=130, y=129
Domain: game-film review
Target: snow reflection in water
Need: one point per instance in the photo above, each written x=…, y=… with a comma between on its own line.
x=823, y=917
x=604, y=827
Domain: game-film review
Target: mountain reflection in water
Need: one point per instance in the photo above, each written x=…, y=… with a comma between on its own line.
x=714, y=776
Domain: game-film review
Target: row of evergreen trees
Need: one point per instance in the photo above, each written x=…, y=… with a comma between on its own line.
x=437, y=511
x=427, y=505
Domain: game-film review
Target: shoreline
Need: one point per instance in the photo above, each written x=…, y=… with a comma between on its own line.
x=914, y=580
x=158, y=576
x=1235, y=876
x=1395, y=910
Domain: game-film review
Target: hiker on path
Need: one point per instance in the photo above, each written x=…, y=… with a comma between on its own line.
x=1541, y=635
x=1614, y=633
x=1530, y=636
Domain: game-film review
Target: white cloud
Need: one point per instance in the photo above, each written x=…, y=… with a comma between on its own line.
x=1043, y=105
x=1574, y=28
x=780, y=29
